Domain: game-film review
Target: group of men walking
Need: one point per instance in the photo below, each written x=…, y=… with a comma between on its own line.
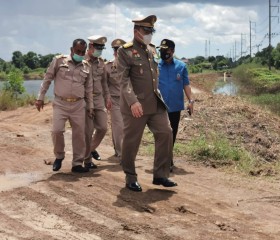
x=85, y=87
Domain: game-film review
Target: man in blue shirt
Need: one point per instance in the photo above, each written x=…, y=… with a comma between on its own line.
x=173, y=83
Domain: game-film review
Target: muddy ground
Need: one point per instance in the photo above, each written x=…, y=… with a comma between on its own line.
x=209, y=203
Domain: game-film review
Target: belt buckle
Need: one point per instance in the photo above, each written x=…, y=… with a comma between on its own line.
x=71, y=99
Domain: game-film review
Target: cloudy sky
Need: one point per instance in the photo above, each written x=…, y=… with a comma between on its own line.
x=198, y=27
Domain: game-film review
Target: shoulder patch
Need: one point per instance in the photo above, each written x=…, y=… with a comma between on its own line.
x=127, y=45
x=60, y=56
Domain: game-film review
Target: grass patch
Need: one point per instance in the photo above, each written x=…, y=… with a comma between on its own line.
x=256, y=79
x=214, y=148
x=269, y=101
x=9, y=102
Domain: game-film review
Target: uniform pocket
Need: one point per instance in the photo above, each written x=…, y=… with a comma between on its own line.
x=82, y=76
x=62, y=72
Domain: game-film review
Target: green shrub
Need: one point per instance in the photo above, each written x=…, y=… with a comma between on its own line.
x=7, y=101
x=14, y=83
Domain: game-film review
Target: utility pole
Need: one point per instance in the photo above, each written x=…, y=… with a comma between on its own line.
x=209, y=48
x=206, y=51
x=269, y=33
x=269, y=37
x=235, y=50
x=251, y=28
x=243, y=42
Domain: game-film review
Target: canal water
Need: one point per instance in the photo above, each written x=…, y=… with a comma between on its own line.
x=226, y=87
x=32, y=87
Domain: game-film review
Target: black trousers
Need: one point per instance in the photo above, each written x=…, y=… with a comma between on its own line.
x=174, y=118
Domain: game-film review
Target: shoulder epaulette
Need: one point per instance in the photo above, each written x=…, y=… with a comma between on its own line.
x=110, y=61
x=86, y=62
x=60, y=56
x=127, y=45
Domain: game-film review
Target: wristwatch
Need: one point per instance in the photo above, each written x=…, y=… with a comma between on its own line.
x=191, y=101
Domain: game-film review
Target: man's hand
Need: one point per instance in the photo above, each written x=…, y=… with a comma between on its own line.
x=90, y=113
x=108, y=104
x=39, y=104
x=190, y=107
x=136, y=109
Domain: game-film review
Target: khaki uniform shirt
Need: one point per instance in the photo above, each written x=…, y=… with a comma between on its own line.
x=113, y=79
x=100, y=87
x=70, y=80
x=137, y=66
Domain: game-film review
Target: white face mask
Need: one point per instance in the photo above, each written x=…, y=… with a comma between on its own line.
x=146, y=38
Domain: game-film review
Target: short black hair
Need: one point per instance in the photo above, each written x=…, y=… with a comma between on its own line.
x=79, y=40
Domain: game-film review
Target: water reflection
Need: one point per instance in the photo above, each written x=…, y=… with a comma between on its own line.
x=226, y=87
x=33, y=86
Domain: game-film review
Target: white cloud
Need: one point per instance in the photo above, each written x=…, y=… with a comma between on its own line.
x=36, y=25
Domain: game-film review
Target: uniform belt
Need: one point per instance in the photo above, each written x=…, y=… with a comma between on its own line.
x=69, y=99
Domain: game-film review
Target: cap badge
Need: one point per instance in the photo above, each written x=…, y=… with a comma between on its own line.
x=164, y=42
x=118, y=42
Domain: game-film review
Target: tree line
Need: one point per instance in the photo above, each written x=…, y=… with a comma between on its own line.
x=26, y=62
x=199, y=63
x=31, y=60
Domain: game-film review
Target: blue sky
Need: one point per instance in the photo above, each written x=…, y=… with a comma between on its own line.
x=50, y=26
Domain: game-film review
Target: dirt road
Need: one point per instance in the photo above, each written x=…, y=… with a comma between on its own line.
x=36, y=203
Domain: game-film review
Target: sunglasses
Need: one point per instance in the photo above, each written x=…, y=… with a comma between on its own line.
x=149, y=30
x=115, y=48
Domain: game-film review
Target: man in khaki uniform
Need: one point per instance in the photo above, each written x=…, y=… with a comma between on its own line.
x=113, y=81
x=73, y=90
x=96, y=127
x=141, y=104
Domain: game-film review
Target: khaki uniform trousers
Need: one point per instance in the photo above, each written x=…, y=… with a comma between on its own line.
x=75, y=113
x=116, y=125
x=159, y=125
x=95, y=129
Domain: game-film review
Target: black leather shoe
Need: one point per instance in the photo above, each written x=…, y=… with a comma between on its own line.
x=95, y=155
x=134, y=187
x=164, y=182
x=79, y=169
x=90, y=165
x=57, y=164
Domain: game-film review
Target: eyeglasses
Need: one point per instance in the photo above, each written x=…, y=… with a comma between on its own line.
x=149, y=30
x=99, y=47
x=115, y=48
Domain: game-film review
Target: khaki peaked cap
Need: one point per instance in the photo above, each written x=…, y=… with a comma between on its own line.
x=146, y=22
x=117, y=42
x=96, y=39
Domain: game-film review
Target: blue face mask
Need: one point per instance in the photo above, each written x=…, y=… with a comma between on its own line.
x=97, y=53
x=78, y=58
